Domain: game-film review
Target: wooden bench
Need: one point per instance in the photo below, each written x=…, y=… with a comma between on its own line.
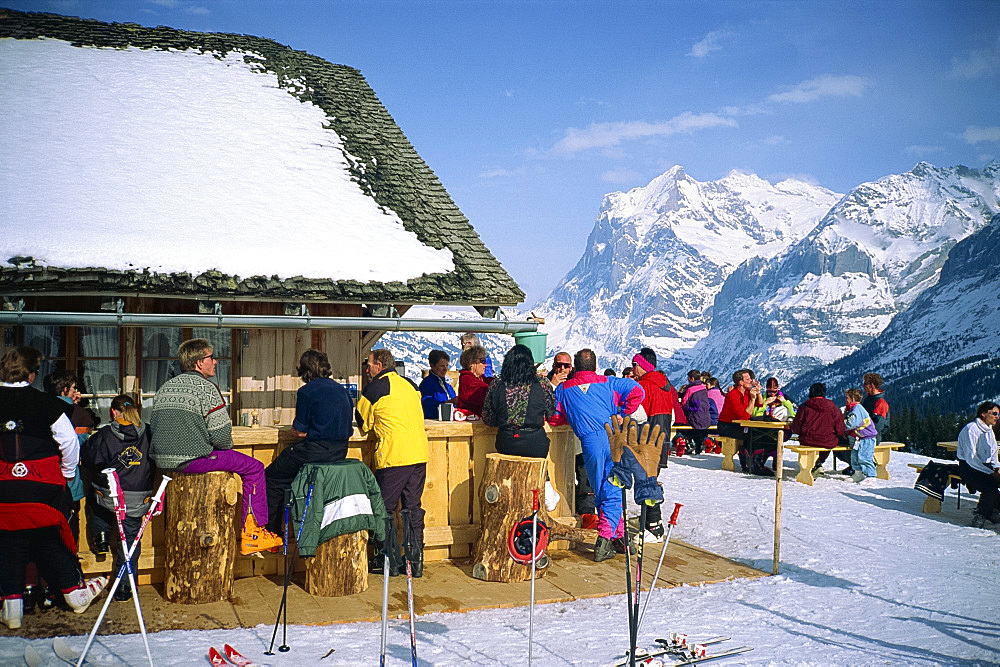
x=808, y=456
x=933, y=505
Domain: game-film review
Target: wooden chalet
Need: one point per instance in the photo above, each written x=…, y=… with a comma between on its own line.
x=120, y=329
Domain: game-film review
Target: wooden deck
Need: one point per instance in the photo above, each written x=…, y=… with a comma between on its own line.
x=445, y=587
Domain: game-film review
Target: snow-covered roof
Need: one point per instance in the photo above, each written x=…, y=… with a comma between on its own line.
x=177, y=162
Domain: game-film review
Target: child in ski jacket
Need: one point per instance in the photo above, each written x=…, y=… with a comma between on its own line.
x=123, y=445
x=859, y=425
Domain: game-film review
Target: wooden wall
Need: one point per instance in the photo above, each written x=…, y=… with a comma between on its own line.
x=450, y=499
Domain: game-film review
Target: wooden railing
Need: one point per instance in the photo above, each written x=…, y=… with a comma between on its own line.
x=451, y=497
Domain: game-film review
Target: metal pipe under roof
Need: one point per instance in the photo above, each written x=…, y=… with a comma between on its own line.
x=220, y=321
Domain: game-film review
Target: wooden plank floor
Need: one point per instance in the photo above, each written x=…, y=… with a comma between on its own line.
x=445, y=587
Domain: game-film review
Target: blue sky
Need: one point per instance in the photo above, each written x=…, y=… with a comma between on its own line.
x=530, y=112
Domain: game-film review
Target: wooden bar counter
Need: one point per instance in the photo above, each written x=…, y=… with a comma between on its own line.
x=457, y=460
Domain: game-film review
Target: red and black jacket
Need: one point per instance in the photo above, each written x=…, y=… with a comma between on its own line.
x=33, y=490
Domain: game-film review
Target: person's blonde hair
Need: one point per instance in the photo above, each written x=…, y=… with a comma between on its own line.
x=854, y=394
x=130, y=410
x=192, y=351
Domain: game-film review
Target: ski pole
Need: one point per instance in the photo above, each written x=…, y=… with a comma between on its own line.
x=284, y=594
x=154, y=508
x=656, y=575
x=385, y=589
x=638, y=573
x=407, y=551
x=118, y=497
x=628, y=580
x=534, y=557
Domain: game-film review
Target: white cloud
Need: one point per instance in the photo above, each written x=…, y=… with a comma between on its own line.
x=975, y=134
x=978, y=63
x=826, y=85
x=496, y=173
x=508, y=92
x=605, y=135
x=619, y=176
x=709, y=43
x=198, y=10
x=920, y=150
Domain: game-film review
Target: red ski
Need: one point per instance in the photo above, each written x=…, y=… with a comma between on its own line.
x=215, y=657
x=237, y=659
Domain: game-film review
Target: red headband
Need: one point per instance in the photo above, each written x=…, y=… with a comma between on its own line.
x=643, y=363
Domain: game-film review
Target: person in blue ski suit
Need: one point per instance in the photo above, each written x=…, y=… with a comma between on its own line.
x=587, y=402
x=859, y=425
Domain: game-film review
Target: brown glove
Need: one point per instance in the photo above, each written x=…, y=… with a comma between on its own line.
x=647, y=448
x=617, y=436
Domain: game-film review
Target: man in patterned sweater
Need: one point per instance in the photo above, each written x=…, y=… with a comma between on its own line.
x=191, y=433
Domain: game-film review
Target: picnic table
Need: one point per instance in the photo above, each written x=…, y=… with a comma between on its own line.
x=949, y=445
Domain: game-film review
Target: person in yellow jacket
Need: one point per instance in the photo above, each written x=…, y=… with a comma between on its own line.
x=390, y=405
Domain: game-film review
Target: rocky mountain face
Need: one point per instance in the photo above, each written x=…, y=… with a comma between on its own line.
x=835, y=290
x=785, y=279
x=659, y=255
x=940, y=354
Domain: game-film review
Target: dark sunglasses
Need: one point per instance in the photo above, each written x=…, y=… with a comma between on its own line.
x=562, y=364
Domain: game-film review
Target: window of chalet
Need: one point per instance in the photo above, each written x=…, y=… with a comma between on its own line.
x=91, y=352
x=159, y=358
x=95, y=354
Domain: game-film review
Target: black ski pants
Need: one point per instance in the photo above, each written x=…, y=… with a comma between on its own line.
x=405, y=483
x=43, y=546
x=282, y=471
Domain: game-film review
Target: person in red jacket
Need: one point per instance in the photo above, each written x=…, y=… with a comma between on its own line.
x=819, y=423
x=740, y=402
x=472, y=384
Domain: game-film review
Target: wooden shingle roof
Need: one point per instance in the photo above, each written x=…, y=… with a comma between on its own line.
x=392, y=173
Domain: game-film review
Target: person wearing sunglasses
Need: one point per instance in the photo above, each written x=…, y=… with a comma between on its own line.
x=562, y=368
x=978, y=464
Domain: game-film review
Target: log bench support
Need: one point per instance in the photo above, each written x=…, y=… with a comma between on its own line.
x=808, y=456
x=340, y=566
x=200, y=518
x=506, y=495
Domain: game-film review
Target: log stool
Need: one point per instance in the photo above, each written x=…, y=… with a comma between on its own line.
x=201, y=536
x=505, y=497
x=340, y=566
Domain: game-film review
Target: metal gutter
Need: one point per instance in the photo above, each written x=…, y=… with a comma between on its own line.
x=220, y=321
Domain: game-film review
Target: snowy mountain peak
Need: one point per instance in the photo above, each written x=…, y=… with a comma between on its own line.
x=658, y=254
x=867, y=260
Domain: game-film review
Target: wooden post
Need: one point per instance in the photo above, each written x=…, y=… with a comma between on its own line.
x=340, y=566
x=778, y=470
x=201, y=536
x=505, y=498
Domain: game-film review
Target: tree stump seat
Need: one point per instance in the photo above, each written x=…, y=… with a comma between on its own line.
x=201, y=535
x=340, y=566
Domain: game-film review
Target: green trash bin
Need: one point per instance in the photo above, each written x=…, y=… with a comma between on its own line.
x=534, y=341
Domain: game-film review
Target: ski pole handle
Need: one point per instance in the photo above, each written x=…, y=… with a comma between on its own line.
x=673, y=517
x=116, y=491
x=534, y=501
x=158, y=496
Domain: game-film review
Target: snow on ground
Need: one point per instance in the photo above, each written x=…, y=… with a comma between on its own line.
x=866, y=579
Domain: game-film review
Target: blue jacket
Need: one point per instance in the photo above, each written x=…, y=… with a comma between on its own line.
x=434, y=391
x=323, y=411
x=587, y=401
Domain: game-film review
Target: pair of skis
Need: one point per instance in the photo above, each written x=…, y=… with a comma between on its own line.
x=678, y=651
x=63, y=651
x=232, y=654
